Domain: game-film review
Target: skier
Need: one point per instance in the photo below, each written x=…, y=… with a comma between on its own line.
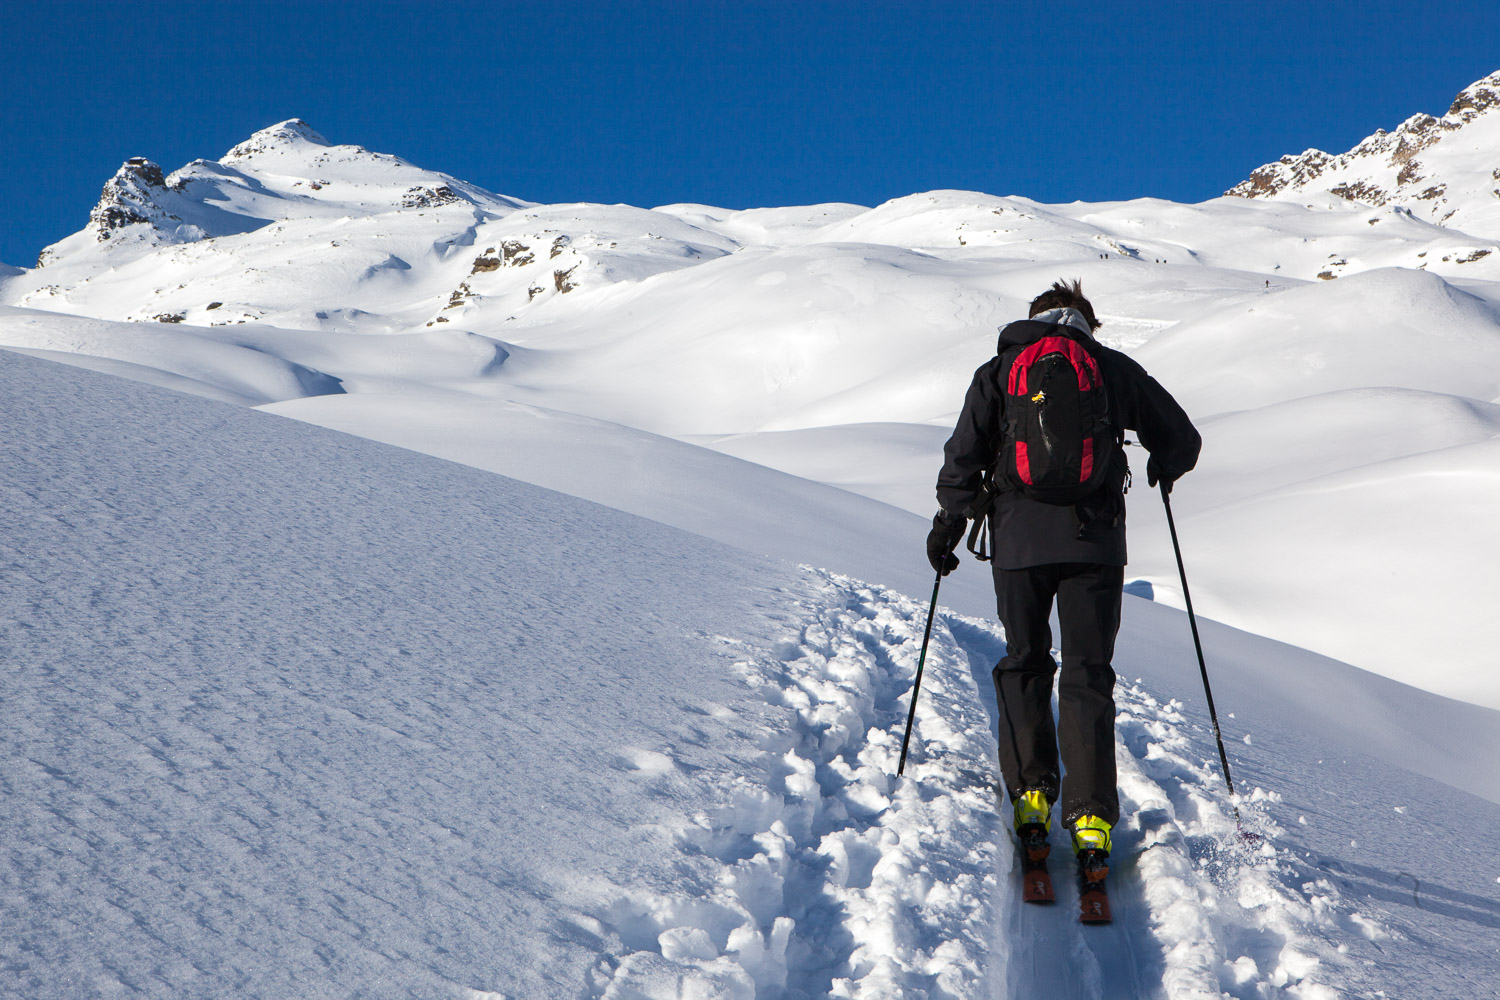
x=1036, y=452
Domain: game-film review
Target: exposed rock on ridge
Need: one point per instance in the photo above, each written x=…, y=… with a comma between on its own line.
x=135, y=196
x=128, y=198
x=1427, y=163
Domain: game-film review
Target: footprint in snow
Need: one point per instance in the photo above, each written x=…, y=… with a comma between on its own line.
x=646, y=761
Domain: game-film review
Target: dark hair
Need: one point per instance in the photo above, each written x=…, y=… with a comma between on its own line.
x=1065, y=295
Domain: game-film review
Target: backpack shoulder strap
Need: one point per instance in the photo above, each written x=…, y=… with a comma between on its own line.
x=979, y=538
x=979, y=535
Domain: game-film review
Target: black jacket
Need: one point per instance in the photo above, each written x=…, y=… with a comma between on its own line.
x=1027, y=532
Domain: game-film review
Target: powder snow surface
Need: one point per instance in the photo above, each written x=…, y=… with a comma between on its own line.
x=288, y=713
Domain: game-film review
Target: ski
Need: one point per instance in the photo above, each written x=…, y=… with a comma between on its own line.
x=1093, y=896
x=1036, y=881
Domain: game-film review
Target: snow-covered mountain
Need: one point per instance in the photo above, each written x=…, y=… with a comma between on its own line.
x=1445, y=169
x=834, y=343
x=284, y=172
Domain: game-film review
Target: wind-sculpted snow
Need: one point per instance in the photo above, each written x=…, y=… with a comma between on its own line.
x=163, y=355
x=291, y=713
x=736, y=502
x=1380, y=329
x=1310, y=447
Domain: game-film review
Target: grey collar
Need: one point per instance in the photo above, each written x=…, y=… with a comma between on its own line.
x=1065, y=317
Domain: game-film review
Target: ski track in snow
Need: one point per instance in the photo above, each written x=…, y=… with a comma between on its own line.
x=842, y=879
x=1197, y=912
x=838, y=879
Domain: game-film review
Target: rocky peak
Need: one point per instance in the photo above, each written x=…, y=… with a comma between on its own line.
x=283, y=136
x=1387, y=167
x=129, y=197
x=141, y=169
x=1476, y=99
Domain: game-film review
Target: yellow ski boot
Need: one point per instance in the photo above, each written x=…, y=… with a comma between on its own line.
x=1033, y=818
x=1033, y=807
x=1091, y=842
x=1090, y=833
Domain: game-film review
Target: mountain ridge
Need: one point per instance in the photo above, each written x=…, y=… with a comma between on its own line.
x=1408, y=167
x=1412, y=166
x=282, y=172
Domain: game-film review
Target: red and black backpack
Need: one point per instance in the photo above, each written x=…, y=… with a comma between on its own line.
x=1056, y=437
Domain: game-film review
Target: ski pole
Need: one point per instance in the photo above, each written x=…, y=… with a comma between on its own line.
x=917, y=685
x=1198, y=645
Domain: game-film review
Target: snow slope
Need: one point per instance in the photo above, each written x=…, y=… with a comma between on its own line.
x=750, y=507
x=290, y=712
x=164, y=356
x=1350, y=430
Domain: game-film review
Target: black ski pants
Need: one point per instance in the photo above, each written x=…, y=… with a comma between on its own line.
x=1088, y=612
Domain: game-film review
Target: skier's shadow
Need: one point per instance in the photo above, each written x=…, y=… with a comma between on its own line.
x=984, y=649
x=1405, y=889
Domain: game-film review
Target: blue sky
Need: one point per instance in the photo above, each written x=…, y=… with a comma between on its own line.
x=735, y=104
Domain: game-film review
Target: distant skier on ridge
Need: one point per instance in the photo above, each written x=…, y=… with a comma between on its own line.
x=1037, y=453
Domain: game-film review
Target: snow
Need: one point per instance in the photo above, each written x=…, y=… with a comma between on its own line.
x=1383, y=327
x=594, y=684
x=160, y=354
x=833, y=343
x=732, y=501
x=244, y=763
x=1333, y=416
x=296, y=712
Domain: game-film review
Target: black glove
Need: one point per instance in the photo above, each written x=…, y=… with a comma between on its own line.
x=1156, y=472
x=947, y=531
